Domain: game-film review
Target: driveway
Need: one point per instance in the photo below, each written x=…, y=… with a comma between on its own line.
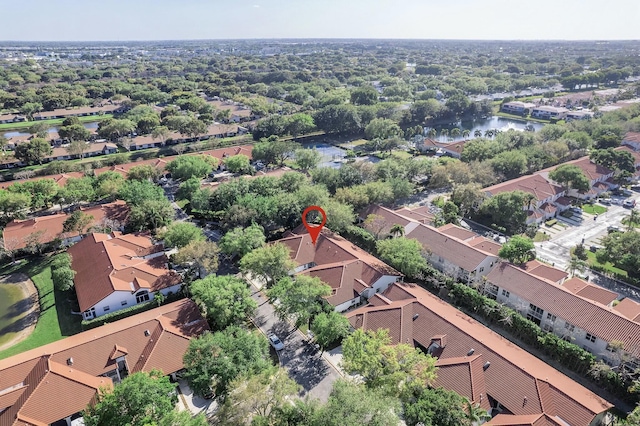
x=305, y=365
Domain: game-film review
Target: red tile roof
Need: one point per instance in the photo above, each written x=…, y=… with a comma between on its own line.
x=105, y=264
x=535, y=184
x=540, y=388
x=632, y=137
x=542, y=270
x=590, y=291
x=51, y=227
x=594, y=318
x=629, y=308
x=60, y=379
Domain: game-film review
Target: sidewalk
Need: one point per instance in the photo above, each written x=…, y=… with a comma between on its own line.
x=195, y=404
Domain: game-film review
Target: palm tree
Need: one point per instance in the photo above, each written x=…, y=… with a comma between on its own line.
x=476, y=414
x=576, y=264
x=633, y=220
x=455, y=132
x=432, y=133
x=488, y=133
x=477, y=133
x=444, y=133
x=466, y=133
x=397, y=230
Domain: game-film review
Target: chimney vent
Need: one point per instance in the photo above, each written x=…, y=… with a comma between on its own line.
x=471, y=351
x=69, y=361
x=147, y=333
x=486, y=365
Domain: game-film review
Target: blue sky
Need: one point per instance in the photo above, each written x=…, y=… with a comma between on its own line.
x=71, y=20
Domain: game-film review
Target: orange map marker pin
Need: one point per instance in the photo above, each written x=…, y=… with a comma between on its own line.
x=314, y=230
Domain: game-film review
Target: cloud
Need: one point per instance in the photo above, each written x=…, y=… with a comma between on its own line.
x=256, y=6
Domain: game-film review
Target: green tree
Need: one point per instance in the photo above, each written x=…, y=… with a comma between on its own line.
x=34, y=151
x=623, y=250
x=12, y=204
x=518, y=249
x=140, y=399
x=382, y=128
x=355, y=405
x=188, y=166
x=238, y=164
x=77, y=148
x=134, y=192
x=179, y=234
x=161, y=133
x=188, y=188
x=364, y=95
x=240, y=241
x=307, y=159
x=271, y=262
x=299, y=298
x=78, y=222
x=507, y=210
x=299, y=124
x=330, y=328
x=510, y=164
x=144, y=172
x=404, y=254
x=77, y=190
x=39, y=129
x=467, y=197
x=382, y=365
x=338, y=119
x=74, y=132
x=202, y=253
x=257, y=399
x=62, y=278
x=422, y=405
x=151, y=214
x=226, y=300
x=570, y=177
x=275, y=152
x=214, y=360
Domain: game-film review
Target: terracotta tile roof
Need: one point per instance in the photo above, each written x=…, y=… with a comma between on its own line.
x=635, y=154
x=592, y=170
x=542, y=270
x=60, y=379
x=563, y=201
x=592, y=317
x=105, y=264
x=52, y=226
x=629, y=308
x=419, y=214
x=524, y=420
x=486, y=245
x=389, y=216
x=59, y=179
x=465, y=376
x=535, y=184
x=450, y=248
x=344, y=278
x=632, y=137
x=540, y=388
x=590, y=291
x=457, y=231
x=271, y=173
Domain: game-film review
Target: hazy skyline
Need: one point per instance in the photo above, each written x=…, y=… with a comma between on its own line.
x=119, y=20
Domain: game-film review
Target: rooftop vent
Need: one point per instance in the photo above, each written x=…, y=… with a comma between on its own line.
x=415, y=316
x=147, y=333
x=69, y=361
x=471, y=351
x=486, y=365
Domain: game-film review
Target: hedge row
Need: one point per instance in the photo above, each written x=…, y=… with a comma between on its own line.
x=127, y=312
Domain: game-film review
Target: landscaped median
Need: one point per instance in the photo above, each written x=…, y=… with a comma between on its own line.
x=56, y=320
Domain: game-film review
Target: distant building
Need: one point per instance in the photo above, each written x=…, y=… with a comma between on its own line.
x=517, y=107
x=549, y=112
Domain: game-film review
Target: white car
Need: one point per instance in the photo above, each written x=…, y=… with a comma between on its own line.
x=275, y=342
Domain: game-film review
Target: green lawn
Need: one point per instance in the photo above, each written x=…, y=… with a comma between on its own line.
x=27, y=124
x=593, y=208
x=56, y=321
x=540, y=237
x=591, y=260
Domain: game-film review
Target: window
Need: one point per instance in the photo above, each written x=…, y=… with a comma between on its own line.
x=551, y=317
x=123, y=303
x=481, y=269
x=569, y=326
x=505, y=293
x=548, y=327
x=143, y=296
x=491, y=291
x=106, y=308
x=611, y=348
x=590, y=337
x=535, y=313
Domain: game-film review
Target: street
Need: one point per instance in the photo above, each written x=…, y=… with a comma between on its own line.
x=304, y=363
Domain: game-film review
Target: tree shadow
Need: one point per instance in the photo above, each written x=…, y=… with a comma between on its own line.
x=21, y=324
x=69, y=323
x=21, y=306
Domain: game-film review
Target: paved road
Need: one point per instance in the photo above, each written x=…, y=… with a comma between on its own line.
x=304, y=363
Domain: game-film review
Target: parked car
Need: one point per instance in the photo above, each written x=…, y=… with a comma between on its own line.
x=629, y=204
x=635, y=187
x=576, y=210
x=275, y=342
x=606, y=201
x=611, y=229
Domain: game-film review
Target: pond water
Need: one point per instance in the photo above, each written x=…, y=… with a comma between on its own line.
x=483, y=124
x=9, y=295
x=89, y=125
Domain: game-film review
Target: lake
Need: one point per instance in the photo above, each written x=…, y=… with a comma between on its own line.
x=332, y=156
x=491, y=123
x=10, y=294
x=89, y=125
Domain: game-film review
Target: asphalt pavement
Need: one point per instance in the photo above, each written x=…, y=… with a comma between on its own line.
x=303, y=362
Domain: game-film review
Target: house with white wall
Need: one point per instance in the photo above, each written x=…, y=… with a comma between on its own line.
x=457, y=252
x=353, y=274
x=116, y=271
x=577, y=311
x=517, y=107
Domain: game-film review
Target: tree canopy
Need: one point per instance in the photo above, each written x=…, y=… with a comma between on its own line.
x=226, y=300
x=518, y=249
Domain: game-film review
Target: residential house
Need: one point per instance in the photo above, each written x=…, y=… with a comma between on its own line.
x=517, y=107
x=59, y=179
x=45, y=229
x=578, y=115
x=451, y=149
x=54, y=383
x=548, y=198
x=353, y=274
x=12, y=118
x=549, y=112
x=574, y=310
x=79, y=112
x=116, y=271
x=599, y=177
x=514, y=386
x=457, y=252
x=632, y=139
x=383, y=219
